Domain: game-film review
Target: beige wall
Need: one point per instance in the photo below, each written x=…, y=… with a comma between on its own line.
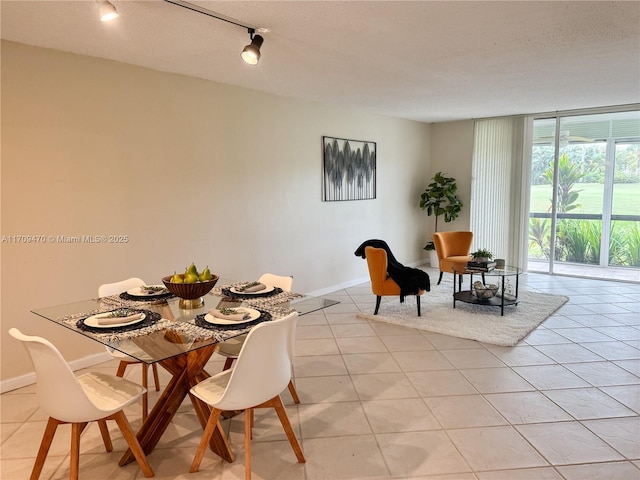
x=452, y=154
x=189, y=170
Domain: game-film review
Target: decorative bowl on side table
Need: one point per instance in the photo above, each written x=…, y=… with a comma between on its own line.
x=482, y=291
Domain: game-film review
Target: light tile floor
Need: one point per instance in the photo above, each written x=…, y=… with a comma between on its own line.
x=387, y=402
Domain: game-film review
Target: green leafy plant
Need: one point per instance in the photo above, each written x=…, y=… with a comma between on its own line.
x=633, y=246
x=481, y=253
x=440, y=198
x=539, y=234
x=569, y=173
x=578, y=241
x=624, y=249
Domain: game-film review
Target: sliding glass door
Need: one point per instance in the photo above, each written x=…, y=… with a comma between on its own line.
x=624, y=232
x=584, y=211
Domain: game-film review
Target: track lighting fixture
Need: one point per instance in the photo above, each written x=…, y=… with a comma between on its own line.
x=251, y=53
x=107, y=10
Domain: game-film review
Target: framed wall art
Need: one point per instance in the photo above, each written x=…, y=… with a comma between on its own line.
x=349, y=169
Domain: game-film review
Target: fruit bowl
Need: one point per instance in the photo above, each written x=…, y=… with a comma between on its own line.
x=189, y=291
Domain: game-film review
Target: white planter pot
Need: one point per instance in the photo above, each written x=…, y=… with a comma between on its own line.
x=433, y=259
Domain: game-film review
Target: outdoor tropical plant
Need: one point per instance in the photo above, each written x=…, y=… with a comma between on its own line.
x=569, y=174
x=440, y=198
x=617, y=247
x=539, y=235
x=575, y=240
x=624, y=248
x=633, y=245
x=578, y=241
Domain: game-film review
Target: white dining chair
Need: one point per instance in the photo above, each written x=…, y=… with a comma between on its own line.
x=231, y=348
x=261, y=373
x=90, y=397
x=115, y=288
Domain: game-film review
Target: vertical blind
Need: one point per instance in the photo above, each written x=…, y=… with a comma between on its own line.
x=499, y=189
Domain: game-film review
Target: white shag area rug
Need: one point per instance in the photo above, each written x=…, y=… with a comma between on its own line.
x=475, y=322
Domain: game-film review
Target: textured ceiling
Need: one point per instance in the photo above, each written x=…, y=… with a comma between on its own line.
x=424, y=60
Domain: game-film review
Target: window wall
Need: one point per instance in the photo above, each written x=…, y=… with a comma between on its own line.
x=584, y=207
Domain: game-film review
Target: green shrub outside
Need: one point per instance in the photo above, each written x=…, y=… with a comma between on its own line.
x=578, y=241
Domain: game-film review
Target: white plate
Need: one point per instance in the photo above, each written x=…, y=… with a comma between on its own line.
x=253, y=314
x=92, y=321
x=140, y=292
x=269, y=288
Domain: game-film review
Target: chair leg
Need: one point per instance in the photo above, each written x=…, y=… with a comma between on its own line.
x=106, y=438
x=248, y=424
x=276, y=403
x=122, y=366
x=212, y=423
x=440, y=278
x=378, y=298
x=45, y=444
x=156, y=379
x=134, y=444
x=293, y=392
x=145, y=396
x=418, y=303
x=74, y=465
x=249, y=415
x=227, y=363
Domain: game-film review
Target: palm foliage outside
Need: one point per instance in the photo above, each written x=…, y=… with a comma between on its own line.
x=578, y=240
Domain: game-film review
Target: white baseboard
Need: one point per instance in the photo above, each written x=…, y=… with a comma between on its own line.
x=340, y=286
x=30, y=378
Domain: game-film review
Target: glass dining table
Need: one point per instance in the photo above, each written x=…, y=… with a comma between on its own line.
x=181, y=340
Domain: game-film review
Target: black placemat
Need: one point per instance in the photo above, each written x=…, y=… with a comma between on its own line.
x=201, y=322
x=226, y=291
x=149, y=319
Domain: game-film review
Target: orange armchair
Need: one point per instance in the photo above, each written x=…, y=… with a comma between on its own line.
x=453, y=250
x=381, y=283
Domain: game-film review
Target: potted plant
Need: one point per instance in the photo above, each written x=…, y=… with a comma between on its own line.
x=440, y=198
x=481, y=255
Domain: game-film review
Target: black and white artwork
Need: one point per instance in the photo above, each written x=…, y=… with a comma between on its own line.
x=349, y=169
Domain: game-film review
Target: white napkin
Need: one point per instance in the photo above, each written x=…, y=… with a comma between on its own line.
x=152, y=290
x=240, y=314
x=115, y=320
x=255, y=288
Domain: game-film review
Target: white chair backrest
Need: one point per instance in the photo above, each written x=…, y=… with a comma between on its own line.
x=285, y=283
x=263, y=368
x=107, y=289
x=58, y=391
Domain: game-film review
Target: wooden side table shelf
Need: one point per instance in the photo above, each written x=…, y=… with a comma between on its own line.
x=501, y=299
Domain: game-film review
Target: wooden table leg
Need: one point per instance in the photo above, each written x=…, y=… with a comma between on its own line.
x=187, y=371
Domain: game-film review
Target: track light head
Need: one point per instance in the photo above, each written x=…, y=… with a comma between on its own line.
x=107, y=10
x=251, y=53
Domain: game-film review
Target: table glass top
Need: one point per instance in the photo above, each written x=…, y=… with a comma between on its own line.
x=496, y=272
x=167, y=329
